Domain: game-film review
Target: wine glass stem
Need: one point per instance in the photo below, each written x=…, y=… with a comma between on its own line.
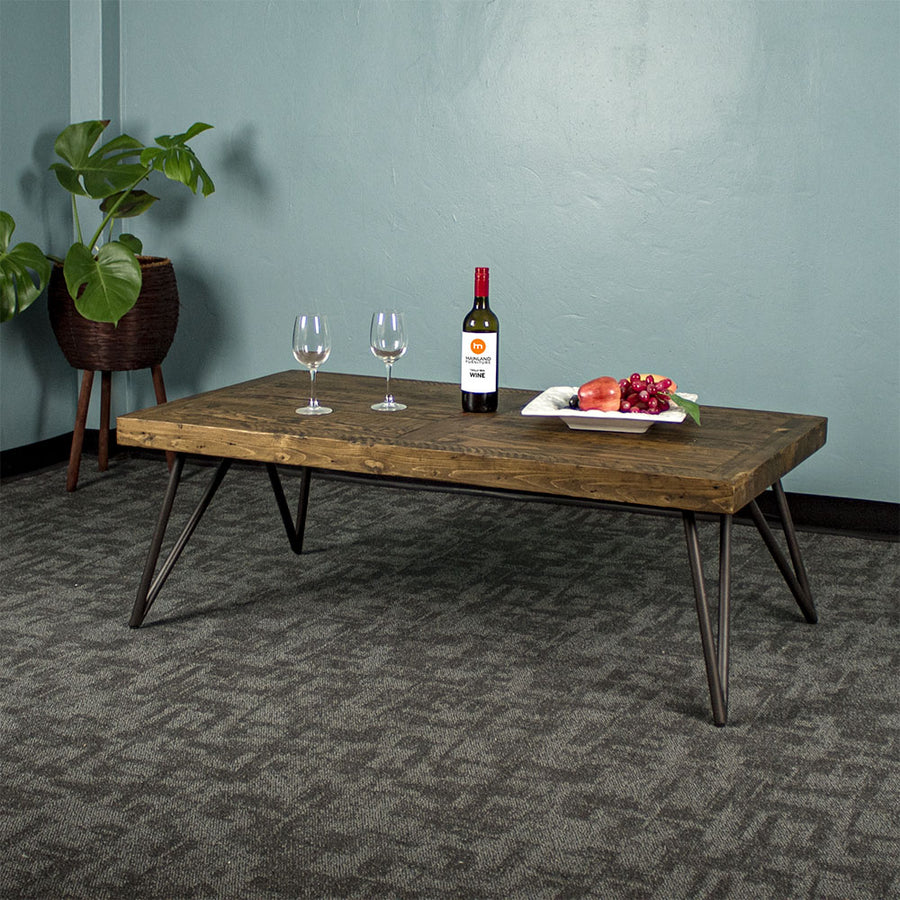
x=388, y=397
x=312, y=389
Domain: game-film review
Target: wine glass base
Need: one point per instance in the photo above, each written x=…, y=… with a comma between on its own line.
x=384, y=406
x=313, y=410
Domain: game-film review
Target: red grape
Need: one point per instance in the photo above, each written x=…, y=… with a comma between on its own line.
x=645, y=395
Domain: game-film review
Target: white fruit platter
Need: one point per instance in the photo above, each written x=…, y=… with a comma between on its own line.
x=555, y=402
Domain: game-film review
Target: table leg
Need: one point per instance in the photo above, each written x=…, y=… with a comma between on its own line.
x=793, y=571
x=724, y=605
x=150, y=586
x=715, y=652
x=294, y=529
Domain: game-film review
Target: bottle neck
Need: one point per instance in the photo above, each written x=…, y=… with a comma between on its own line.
x=481, y=303
x=482, y=282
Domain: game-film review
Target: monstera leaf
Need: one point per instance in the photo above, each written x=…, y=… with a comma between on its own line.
x=106, y=171
x=105, y=287
x=177, y=161
x=18, y=266
x=127, y=204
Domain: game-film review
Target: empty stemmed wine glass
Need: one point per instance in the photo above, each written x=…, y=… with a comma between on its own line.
x=388, y=341
x=312, y=346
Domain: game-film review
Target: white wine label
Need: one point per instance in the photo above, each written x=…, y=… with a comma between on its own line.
x=479, y=363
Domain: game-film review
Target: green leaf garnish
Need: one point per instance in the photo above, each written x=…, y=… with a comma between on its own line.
x=691, y=408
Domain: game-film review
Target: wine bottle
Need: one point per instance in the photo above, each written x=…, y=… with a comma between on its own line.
x=480, y=346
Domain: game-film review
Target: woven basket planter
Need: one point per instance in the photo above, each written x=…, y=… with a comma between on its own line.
x=140, y=340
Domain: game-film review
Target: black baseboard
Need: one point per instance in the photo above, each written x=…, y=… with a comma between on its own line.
x=34, y=457
x=874, y=519
x=51, y=452
x=837, y=515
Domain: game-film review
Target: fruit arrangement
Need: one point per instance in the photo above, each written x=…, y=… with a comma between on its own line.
x=648, y=394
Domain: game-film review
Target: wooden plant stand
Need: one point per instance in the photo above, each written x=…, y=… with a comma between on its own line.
x=84, y=399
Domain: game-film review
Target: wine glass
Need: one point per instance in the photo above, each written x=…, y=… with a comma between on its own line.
x=312, y=346
x=388, y=341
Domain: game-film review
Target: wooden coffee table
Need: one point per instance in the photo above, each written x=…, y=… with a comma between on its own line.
x=718, y=468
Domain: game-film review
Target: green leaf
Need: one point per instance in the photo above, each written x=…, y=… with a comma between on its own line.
x=177, y=161
x=106, y=287
x=184, y=137
x=691, y=408
x=68, y=178
x=75, y=141
x=7, y=227
x=177, y=167
x=134, y=204
x=133, y=243
x=109, y=170
x=24, y=271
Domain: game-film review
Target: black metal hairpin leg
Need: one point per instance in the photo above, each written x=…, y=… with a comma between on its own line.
x=793, y=571
x=150, y=586
x=294, y=530
x=715, y=650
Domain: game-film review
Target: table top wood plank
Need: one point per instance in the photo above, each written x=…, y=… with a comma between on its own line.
x=716, y=467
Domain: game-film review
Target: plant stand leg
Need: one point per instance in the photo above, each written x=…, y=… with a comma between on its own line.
x=84, y=398
x=103, y=439
x=160, y=390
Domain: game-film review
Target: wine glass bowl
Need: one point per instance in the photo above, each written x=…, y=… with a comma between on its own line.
x=312, y=347
x=388, y=342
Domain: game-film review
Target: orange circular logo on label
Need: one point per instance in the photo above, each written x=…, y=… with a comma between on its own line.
x=478, y=346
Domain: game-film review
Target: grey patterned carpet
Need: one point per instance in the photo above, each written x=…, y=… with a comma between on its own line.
x=445, y=697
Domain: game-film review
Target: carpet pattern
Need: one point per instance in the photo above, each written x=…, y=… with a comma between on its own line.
x=445, y=696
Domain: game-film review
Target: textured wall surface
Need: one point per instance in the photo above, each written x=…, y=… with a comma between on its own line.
x=705, y=189
x=37, y=386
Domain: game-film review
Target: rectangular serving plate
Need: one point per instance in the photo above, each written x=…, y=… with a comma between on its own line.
x=554, y=403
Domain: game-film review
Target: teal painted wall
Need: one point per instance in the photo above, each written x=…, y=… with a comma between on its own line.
x=710, y=189
x=36, y=384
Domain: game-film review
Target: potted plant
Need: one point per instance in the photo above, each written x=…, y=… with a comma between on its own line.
x=103, y=278
x=112, y=308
